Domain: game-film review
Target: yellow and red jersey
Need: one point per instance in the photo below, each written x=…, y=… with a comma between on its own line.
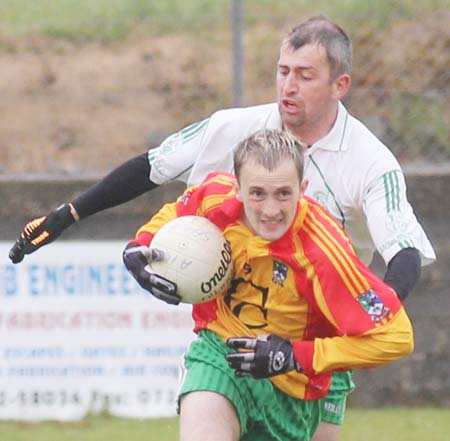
x=308, y=286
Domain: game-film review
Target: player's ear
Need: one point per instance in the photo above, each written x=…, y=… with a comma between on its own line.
x=237, y=190
x=303, y=187
x=341, y=85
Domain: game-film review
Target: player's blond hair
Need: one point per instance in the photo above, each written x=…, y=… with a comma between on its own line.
x=269, y=148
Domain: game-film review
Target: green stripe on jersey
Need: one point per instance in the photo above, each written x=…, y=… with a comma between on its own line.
x=392, y=190
x=406, y=243
x=151, y=155
x=192, y=131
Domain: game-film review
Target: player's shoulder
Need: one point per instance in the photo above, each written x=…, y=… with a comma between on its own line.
x=216, y=184
x=244, y=114
x=365, y=155
x=317, y=213
x=223, y=178
x=211, y=192
x=320, y=225
x=362, y=140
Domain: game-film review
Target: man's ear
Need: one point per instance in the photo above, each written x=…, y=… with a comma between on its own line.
x=303, y=187
x=341, y=86
x=237, y=190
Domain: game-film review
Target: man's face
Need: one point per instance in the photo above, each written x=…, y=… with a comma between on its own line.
x=306, y=96
x=269, y=198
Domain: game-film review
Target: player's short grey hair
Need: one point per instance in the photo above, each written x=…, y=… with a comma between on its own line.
x=321, y=31
x=269, y=148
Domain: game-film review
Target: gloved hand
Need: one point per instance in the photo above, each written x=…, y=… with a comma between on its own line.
x=268, y=355
x=41, y=231
x=136, y=258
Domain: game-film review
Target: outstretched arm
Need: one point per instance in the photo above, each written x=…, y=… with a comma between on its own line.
x=124, y=183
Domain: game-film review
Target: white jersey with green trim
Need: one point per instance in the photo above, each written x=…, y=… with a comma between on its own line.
x=350, y=172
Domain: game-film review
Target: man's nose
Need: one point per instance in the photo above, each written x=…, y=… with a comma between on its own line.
x=290, y=84
x=271, y=208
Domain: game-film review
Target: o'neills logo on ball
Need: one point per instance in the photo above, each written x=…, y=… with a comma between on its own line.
x=221, y=272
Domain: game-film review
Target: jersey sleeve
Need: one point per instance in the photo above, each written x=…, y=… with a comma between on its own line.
x=195, y=201
x=174, y=158
x=391, y=220
x=370, y=325
x=382, y=345
x=145, y=233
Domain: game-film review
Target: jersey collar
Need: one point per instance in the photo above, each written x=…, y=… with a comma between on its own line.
x=273, y=120
x=336, y=139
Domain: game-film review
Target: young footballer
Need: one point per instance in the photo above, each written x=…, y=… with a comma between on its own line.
x=300, y=305
x=349, y=170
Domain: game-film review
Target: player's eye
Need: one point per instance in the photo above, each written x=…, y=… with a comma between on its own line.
x=256, y=194
x=284, y=194
x=307, y=74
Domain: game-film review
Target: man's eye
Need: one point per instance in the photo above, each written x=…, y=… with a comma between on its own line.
x=284, y=194
x=256, y=194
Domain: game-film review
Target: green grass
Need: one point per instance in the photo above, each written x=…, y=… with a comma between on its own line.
x=397, y=425
x=114, y=19
x=101, y=428
x=106, y=19
x=360, y=425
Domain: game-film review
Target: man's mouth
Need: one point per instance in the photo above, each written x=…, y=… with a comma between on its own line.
x=271, y=222
x=289, y=106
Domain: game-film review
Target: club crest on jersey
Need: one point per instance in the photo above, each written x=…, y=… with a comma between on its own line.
x=279, y=273
x=373, y=305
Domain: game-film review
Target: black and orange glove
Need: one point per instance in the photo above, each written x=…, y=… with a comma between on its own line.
x=136, y=258
x=42, y=231
x=265, y=356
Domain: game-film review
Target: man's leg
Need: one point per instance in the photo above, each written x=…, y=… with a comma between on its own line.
x=216, y=405
x=326, y=432
x=333, y=407
x=332, y=416
x=206, y=415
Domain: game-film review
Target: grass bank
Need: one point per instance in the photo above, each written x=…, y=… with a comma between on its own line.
x=361, y=424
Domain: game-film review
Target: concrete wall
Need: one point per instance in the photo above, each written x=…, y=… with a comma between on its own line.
x=424, y=377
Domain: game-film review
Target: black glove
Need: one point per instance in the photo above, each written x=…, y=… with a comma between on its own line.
x=269, y=355
x=136, y=258
x=41, y=231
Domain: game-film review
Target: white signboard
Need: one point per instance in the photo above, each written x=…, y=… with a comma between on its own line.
x=79, y=335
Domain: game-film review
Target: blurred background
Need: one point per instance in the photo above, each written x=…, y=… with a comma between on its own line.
x=86, y=84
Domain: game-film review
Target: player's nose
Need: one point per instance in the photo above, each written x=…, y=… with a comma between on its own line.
x=271, y=210
x=290, y=84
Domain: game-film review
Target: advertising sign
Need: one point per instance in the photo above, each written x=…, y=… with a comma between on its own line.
x=79, y=335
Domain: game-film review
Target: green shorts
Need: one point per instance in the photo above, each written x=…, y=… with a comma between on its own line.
x=334, y=404
x=265, y=413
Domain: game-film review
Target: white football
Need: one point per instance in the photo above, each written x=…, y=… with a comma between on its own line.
x=197, y=257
